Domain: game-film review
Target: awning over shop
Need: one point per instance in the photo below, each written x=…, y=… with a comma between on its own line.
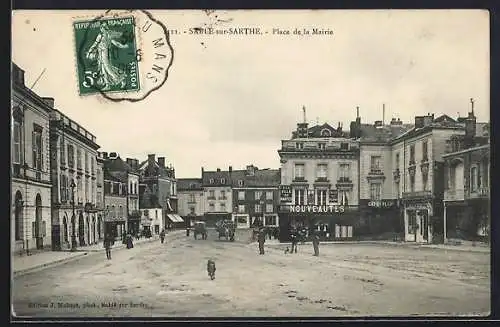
x=175, y=218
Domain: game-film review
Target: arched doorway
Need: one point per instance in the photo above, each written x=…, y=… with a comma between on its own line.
x=87, y=220
x=99, y=227
x=81, y=230
x=38, y=222
x=93, y=230
x=65, y=230
x=18, y=216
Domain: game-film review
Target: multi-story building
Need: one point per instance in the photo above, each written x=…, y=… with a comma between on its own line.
x=255, y=196
x=418, y=162
x=378, y=195
x=30, y=168
x=115, y=199
x=217, y=195
x=319, y=181
x=151, y=219
x=190, y=199
x=158, y=187
x=100, y=205
x=73, y=168
x=467, y=185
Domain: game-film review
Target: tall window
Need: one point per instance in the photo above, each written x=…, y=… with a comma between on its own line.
x=425, y=153
x=321, y=146
x=375, y=191
x=191, y=198
x=121, y=212
x=344, y=171
x=241, y=195
x=222, y=206
x=375, y=163
x=64, y=188
x=211, y=207
x=321, y=171
x=79, y=189
x=241, y=208
x=37, y=148
x=62, y=148
x=412, y=182
x=86, y=160
x=412, y=154
x=211, y=194
x=92, y=165
x=223, y=194
x=299, y=170
x=113, y=211
x=397, y=160
x=269, y=195
x=451, y=179
x=344, y=197
x=16, y=146
x=299, y=196
x=425, y=178
x=78, y=158
x=299, y=145
x=192, y=210
x=258, y=195
x=257, y=208
x=269, y=207
x=321, y=197
x=473, y=179
x=71, y=156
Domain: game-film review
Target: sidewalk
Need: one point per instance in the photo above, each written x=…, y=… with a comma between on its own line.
x=25, y=264
x=482, y=248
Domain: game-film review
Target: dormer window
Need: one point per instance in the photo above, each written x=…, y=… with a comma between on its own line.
x=191, y=185
x=211, y=180
x=299, y=145
x=223, y=181
x=326, y=133
x=321, y=146
x=240, y=182
x=344, y=146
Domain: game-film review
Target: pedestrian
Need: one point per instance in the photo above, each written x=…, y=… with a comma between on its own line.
x=162, y=236
x=262, y=239
x=130, y=243
x=315, y=241
x=108, y=243
x=294, y=239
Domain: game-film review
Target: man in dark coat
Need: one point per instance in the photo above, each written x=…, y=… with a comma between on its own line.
x=262, y=239
x=315, y=241
x=108, y=243
x=294, y=238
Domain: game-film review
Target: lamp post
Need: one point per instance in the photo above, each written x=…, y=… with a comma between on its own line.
x=73, y=217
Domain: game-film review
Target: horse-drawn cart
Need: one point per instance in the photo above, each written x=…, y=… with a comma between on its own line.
x=226, y=228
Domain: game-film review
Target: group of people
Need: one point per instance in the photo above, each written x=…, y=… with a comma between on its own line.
x=109, y=241
x=295, y=235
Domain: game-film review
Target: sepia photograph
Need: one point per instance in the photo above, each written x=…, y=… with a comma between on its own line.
x=250, y=163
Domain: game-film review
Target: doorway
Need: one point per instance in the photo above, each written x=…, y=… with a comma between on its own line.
x=81, y=230
x=38, y=222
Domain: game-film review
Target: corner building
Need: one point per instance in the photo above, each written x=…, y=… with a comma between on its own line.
x=319, y=181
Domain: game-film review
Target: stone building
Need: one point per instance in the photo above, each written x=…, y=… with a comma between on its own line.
x=115, y=200
x=255, y=196
x=30, y=167
x=74, y=173
x=191, y=199
x=217, y=195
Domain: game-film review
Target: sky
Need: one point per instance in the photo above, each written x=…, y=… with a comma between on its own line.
x=230, y=100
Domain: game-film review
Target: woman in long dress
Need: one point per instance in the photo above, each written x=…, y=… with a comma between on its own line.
x=108, y=75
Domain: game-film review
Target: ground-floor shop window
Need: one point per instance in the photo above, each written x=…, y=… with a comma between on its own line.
x=270, y=221
x=412, y=221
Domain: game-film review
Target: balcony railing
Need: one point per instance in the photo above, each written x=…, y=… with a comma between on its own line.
x=376, y=171
x=482, y=192
x=344, y=180
x=222, y=198
x=417, y=194
x=322, y=180
x=211, y=197
x=454, y=195
x=299, y=179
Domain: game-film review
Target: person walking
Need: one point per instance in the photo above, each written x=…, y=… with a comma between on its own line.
x=294, y=239
x=315, y=241
x=262, y=239
x=162, y=236
x=108, y=243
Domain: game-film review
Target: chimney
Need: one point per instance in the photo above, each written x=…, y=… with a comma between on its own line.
x=130, y=162
x=470, y=124
x=161, y=161
x=218, y=170
x=113, y=155
x=17, y=74
x=49, y=101
x=105, y=155
x=302, y=128
x=230, y=169
x=378, y=123
x=151, y=158
x=395, y=121
x=202, y=171
x=136, y=163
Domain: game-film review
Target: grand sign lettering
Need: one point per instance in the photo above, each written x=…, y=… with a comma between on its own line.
x=316, y=209
x=381, y=204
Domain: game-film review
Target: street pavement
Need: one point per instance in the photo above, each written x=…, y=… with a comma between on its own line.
x=170, y=280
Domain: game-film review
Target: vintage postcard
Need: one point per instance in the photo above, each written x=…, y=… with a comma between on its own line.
x=250, y=163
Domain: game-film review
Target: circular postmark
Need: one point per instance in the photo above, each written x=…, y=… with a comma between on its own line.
x=122, y=55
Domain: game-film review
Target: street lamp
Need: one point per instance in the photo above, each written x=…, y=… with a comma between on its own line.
x=73, y=218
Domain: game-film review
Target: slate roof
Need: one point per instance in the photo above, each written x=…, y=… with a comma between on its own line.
x=217, y=176
x=186, y=184
x=370, y=133
x=117, y=164
x=261, y=178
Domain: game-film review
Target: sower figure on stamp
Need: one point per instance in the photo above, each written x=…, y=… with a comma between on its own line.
x=262, y=239
x=108, y=243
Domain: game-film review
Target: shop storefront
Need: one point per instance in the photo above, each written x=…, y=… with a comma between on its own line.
x=332, y=222
x=212, y=217
x=379, y=217
x=422, y=217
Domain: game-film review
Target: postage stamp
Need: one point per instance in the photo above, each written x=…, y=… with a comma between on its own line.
x=121, y=55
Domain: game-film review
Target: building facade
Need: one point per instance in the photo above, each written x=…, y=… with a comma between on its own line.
x=100, y=204
x=74, y=173
x=151, y=219
x=255, y=197
x=158, y=188
x=115, y=199
x=217, y=195
x=191, y=199
x=319, y=181
x=30, y=167
x=133, y=179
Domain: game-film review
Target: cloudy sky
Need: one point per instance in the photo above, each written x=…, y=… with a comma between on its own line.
x=229, y=100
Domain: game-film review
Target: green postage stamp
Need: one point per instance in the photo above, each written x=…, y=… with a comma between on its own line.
x=106, y=52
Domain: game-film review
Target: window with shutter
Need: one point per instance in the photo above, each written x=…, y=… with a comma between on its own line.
x=16, y=148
